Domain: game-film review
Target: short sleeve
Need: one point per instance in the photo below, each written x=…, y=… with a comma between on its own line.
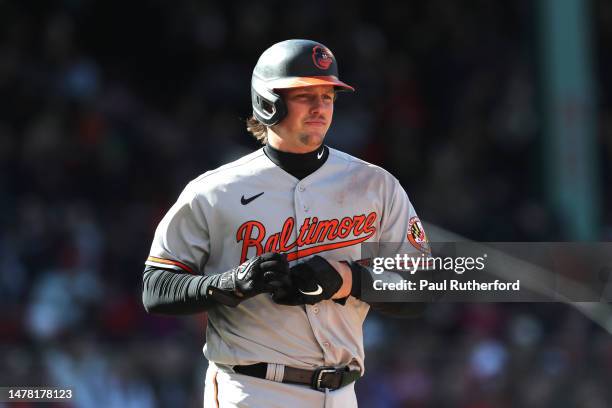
x=401, y=233
x=182, y=240
x=401, y=224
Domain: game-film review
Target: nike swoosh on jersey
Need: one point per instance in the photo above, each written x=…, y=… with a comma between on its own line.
x=245, y=201
x=314, y=292
x=319, y=155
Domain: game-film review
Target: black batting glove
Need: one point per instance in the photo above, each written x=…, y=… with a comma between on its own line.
x=312, y=281
x=266, y=273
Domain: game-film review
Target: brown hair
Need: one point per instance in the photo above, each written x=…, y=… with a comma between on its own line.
x=257, y=129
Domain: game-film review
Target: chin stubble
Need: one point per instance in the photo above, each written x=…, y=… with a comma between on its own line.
x=306, y=139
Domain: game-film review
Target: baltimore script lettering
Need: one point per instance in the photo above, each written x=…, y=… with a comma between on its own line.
x=313, y=231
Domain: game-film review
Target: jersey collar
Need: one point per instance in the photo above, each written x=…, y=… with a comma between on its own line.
x=299, y=165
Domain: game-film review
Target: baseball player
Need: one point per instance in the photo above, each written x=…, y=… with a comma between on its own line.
x=269, y=245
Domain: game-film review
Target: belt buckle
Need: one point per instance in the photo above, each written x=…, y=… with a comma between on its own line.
x=318, y=376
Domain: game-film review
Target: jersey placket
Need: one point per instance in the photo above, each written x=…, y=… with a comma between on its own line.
x=315, y=313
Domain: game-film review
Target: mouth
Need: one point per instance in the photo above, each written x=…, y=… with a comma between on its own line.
x=315, y=122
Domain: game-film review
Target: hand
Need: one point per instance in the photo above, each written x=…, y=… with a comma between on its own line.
x=312, y=281
x=266, y=273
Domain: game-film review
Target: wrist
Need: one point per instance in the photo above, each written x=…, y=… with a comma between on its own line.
x=347, y=279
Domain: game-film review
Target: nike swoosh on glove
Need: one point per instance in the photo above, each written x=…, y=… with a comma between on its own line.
x=266, y=273
x=312, y=281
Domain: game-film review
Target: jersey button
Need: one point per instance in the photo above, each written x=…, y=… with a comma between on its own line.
x=301, y=188
x=306, y=208
x=315, y=310
x=326, y=344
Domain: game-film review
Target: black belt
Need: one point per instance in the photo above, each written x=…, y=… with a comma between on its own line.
x=319, y=379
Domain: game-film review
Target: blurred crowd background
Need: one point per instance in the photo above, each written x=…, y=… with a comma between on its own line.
x=108, y=109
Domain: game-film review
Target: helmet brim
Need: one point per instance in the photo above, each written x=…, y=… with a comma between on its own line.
x=300, y=82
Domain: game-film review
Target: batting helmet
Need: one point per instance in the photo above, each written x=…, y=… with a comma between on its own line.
x=290, y=64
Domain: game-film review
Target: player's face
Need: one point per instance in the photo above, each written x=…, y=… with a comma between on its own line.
x=309, y=115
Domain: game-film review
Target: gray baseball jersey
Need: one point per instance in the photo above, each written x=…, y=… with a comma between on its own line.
x=252, y=206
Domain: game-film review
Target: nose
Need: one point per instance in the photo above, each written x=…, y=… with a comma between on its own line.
x=316, y=104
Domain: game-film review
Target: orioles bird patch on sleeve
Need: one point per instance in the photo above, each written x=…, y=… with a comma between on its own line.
x=416, y=235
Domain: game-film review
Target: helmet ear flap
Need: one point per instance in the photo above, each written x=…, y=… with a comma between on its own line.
x=268, y=107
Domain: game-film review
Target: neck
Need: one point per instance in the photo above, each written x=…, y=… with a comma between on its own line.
x=299, y=165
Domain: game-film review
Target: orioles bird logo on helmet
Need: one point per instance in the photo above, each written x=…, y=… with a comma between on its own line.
x=322, y=57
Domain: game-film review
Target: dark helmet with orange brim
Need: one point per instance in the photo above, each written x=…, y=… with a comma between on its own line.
x=290, y=64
